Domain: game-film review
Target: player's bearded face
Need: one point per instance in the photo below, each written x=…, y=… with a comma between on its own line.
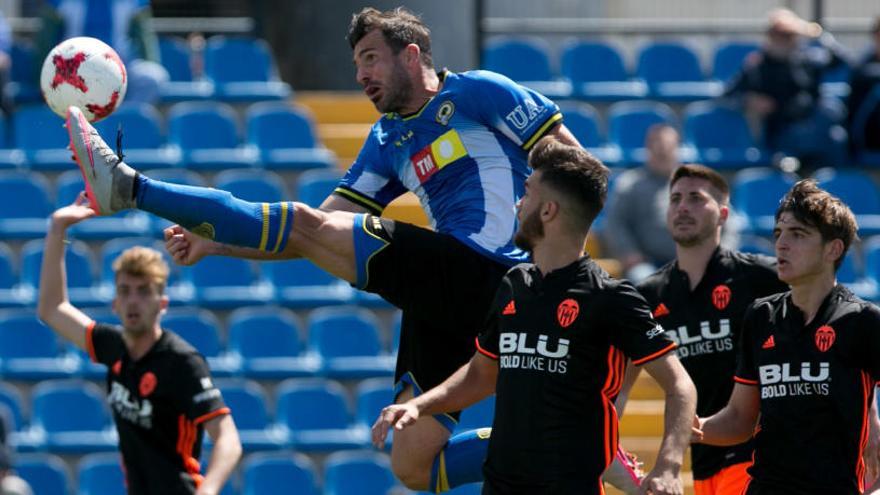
x=694, y=215
x=398, y=90
x=530, y=230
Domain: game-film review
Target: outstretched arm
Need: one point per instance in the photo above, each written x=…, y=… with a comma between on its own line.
x=736, y=422
x=54, y=308
x=224, y=457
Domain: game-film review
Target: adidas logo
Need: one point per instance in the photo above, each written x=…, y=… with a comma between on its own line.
x=660, y=310
x=510, y=309
x=769, y=343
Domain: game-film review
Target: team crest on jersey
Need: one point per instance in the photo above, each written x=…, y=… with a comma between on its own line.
x=825, y=336
x=117, y=367
x=444, y=113
x=721, y=297
x=148, y=384
x=567, y=312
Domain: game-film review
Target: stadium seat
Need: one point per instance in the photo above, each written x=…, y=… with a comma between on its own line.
x=46, y=473
x=181, y=86
x=267, y=341
x=223, y=283
x=41, y=135
x=597, y=72
x=526, y=61
x=314, y=186
x=124, y=223
x=10, y=158
x=73, y=416
x=301, y=284
x=201, y=329
x=316, y=416
x=11, y=294
x=583, y=121
x=358, y=473
x=851, y=274
x=81, y=287
x=858, y=190
x=101, y=474
x=755, y=194
x=24, y=205
x=721, y=137
x=757, y=245
x=290, y=472
x=248, y=402
x=479, y=415
x=143, y=141
x=672, y=72
x=285, y=137
x=729, y=57
x=207, y=135
x=243, y=69
x=347, y=341
x=258, y=186
x=22, y=86
x=628, y=124
x=12, y=399
x=371, y=396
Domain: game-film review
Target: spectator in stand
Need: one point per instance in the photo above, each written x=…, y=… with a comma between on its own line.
x=864, y=98
x=123, y=24
x=779, y=86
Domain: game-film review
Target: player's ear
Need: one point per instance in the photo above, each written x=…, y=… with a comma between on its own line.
x=163, y=302
x=834, y=249
x=724, y=214
x=413, y=54
x=549, y=210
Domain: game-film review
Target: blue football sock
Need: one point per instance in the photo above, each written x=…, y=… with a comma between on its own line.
x=461, y=461
x=217, y=214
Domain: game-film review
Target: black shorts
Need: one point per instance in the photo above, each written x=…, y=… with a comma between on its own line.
x=444, y=287
x=559, y=487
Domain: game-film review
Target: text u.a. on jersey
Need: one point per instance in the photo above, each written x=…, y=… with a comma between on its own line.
x=816, y=383
x=706, y=323
x=464, y=155
x=561, y=342
x=160, y=404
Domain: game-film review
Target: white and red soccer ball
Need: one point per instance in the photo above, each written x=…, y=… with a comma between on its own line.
x=86, y=73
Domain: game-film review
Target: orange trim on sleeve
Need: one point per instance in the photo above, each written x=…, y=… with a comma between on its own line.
x=90, y=346
x=211, y=415
x=657, y=354
x=484, y=351
x=745, y=381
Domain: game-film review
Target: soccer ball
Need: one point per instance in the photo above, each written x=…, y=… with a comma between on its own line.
x=86, y=73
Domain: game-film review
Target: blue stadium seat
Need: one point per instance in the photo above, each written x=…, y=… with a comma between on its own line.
x=47, y=474
x=40, y=134
x=143, y=141
x=721, y=137
x=755, y=193
x=74, y=417
x=248, y=402
x=597, y=72
x=11, y=398
x=285, y=137
x=479, y=415
x=672, y=72
x=851, y=274
x=23, y=87
x=175, y=56
x=526, y=61
x=358, y=473
x=757, y=245
x=207, y=135
x=11, y=295
x=24, y=205
x=201, y=329
x=871, y=251
x=316, y=416
x=124, y=223
x=301, y=284
x=290, y=472
x=257, y=186
x=371, y=396
x=10, y=158
x=583, y=121
x=628, y=124
x=856, y=189
x=243, y=69
x=81, y=287
x=174, y=176
x=267, y=342
x=347, y=341
x=101, y=474
x=223, y=282
x=729, y=57
x=313, y=186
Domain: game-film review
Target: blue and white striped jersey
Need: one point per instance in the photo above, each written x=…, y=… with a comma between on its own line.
x=464, y=154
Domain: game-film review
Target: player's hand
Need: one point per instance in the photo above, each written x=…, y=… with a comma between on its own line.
x=697, y=430
x=398, y=416
x=73, y=213
x=185, y=247
x=662, y=482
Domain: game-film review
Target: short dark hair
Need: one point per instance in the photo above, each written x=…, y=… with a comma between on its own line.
x=399, y=27
x=696, y=171
x=574, y=173
x=813, y=206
